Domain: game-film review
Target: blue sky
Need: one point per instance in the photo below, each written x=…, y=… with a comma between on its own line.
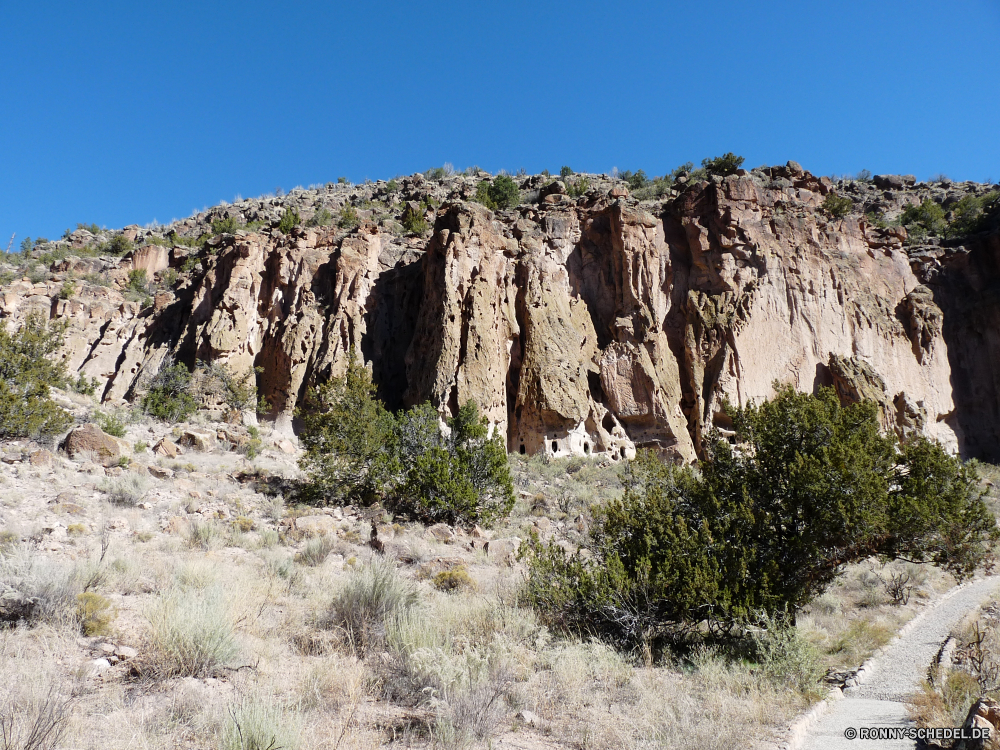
x=126, y=112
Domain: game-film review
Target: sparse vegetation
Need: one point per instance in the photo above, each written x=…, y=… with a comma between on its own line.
x=348, y=217
x=190, y=636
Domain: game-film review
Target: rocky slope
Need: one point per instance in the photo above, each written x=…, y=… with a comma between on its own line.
x=584, y=321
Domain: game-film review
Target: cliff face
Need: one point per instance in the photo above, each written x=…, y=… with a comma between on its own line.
x=584, y=325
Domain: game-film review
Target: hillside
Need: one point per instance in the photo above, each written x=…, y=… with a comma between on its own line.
x=589, y=318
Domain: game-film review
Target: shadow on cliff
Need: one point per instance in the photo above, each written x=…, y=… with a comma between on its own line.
x=968, y=292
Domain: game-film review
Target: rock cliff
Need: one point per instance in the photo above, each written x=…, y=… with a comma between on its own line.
x=585, y=321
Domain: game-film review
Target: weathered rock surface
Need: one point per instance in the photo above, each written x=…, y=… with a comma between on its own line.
x=580, y=325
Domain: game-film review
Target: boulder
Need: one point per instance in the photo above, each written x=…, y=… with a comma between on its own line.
x=91, y=439
x=504, y=550
x=204, y=442
x=166, y=448
x=890, y=181
x=442, y=532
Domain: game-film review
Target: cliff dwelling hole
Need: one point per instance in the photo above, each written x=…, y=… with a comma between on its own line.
x=523, y=451
x=608, y=423
x=555, y=446
x=586, y=448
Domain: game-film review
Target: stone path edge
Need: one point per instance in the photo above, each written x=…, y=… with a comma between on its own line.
x=798, y=729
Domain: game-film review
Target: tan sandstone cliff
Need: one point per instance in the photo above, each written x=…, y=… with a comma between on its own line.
x=586, y=325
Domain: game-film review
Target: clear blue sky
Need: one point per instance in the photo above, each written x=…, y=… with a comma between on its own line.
x=125, y=112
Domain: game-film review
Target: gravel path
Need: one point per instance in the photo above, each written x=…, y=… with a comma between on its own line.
x=880, y=701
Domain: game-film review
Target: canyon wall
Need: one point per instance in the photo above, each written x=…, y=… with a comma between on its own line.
x=590, y=324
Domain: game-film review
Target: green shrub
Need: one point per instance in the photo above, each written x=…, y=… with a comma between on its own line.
x=504, y=193
x=94, y=613
x=837, y=206
x=925, y=219
x=437, y=173
x=289, y=220
x=119, y=245
x=68, y=290
x=227, y=225
x=112, y=424
x=464, y=478
x=356, y=451
x=974, y=214
x=137, y=281
x=565, y=172
x=190, y=263
x=322, y=218
x=413, y=221
x=578, y=188
x=84, y=386
x=348, y=217
x=26, y=375
x=392, y=186
x=169, y=277
x=341, y=180
x=348, y=436
x=635, y=180
x=168, y=396
x=814, y=486
x=724, y=165
x=501, y=193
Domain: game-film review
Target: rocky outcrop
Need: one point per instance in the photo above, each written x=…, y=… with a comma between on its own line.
x=580, y=324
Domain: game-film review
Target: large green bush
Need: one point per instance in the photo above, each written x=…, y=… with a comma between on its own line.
x=169, y=394
x=724, y=165
x=348, y=435
x=357, y=451
x=924, y=219
x=501, y=193
x=26, y=376
x=762, y=527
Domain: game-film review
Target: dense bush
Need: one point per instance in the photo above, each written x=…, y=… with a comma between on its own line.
x=289, y=220
x=927, y=218
x=226, y=225
x=26, y=376
x=837, y=206
x=974, y=214
x=414, y=221
x=565, y=172
x=724, y=165
x=357, y=451
x=763, y=527
x=635, y=180
x=501, y=193
x=168, y=396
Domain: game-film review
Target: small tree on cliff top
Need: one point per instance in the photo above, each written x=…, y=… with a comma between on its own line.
x=764, y=527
